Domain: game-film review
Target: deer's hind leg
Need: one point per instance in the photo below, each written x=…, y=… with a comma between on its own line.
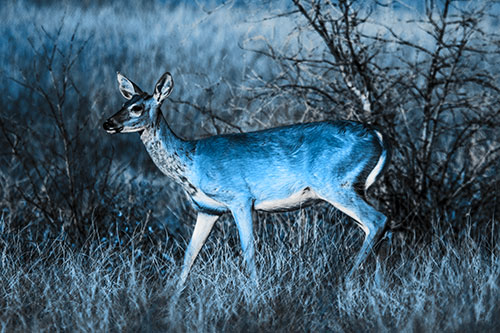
x=371, y=221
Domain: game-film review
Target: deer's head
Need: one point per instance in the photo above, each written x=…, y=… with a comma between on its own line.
x=141, y=108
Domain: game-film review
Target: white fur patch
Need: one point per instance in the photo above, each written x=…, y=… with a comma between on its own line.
x=378, y=167
x=204, y=200
x=353, y=215
x=294, y=200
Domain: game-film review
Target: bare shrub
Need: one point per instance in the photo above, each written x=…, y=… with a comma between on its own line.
x=427, y=79
x=63, y=175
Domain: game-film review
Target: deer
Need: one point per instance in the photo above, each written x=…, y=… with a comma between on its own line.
x=273, y=170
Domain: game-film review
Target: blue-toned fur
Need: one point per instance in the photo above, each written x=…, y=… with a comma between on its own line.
x=274, y=163
x=278, y=169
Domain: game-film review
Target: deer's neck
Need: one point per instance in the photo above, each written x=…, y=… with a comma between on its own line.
x=171, y=154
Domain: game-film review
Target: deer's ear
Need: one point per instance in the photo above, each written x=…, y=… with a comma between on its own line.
x=164, y=87
x=127, y=87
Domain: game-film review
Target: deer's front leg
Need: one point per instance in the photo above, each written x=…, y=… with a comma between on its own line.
x=204, y=224
x=243, y=218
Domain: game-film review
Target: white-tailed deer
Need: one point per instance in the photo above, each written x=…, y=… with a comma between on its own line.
x=278, y=169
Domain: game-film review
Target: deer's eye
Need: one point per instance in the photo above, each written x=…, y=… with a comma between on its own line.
x=136, y=109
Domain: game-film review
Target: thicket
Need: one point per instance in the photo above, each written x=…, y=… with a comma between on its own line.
x=428, y=79
x=75, y=200
x=62, y=176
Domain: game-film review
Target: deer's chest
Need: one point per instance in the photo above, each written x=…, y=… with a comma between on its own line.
x=169, y=162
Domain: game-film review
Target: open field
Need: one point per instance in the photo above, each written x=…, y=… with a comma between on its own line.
x=92, y=235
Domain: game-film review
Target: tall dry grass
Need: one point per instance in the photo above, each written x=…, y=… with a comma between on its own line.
x=300, y=258
x=108, y=260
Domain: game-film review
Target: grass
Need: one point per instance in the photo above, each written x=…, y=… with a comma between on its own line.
x=123, y=278
x=301, y=259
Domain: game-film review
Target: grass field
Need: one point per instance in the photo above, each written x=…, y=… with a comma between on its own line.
x=301, y=259
x=92, y=235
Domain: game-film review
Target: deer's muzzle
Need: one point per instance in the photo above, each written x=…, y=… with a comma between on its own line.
x=112, y=127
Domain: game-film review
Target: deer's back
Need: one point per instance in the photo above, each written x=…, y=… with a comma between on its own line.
x=283, y=159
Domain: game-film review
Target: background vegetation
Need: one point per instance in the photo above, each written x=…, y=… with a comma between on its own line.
x=92, y=235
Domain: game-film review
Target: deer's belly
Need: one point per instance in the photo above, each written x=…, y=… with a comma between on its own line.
x=297, y=200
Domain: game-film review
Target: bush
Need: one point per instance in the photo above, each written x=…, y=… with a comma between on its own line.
x=426, y=78
x=91, y=234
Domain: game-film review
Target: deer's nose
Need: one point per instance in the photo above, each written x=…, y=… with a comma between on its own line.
x=111, y=127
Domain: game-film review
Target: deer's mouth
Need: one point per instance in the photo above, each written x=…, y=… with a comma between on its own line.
x=111, y=127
